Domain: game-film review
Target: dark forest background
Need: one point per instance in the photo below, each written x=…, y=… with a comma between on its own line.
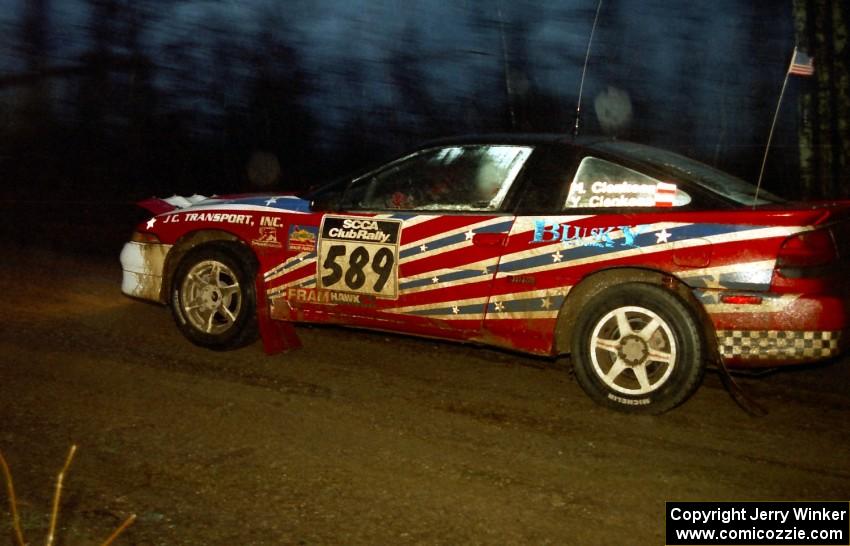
x=117, y=100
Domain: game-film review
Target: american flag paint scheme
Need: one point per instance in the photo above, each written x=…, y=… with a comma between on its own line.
x=518, y=268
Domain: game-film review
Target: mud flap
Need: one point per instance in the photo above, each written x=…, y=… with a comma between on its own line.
x=741, y=398
x=277, y=335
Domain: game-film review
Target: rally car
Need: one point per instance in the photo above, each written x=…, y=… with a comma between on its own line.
x=641, y=264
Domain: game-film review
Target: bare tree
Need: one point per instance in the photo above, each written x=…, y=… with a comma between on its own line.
x=34, y=47
x=822, y=28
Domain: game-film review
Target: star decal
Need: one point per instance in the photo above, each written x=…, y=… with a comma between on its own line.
x=556, y=257
x=545, y=302
x=662, y=236
x=271, y=201
x=498, y=306
x=423, y=248
x=455, y=309
x=469, y=235
x=435, y=279
x=150, y=223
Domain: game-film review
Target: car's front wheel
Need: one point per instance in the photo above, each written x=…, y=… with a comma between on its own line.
x=213, y=298
x=638, y=348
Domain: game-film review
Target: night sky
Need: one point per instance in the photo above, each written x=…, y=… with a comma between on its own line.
x=703, y=81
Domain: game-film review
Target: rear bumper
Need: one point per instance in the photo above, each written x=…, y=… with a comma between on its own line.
x=783, y=329
x=143, y=265
x=777, y=347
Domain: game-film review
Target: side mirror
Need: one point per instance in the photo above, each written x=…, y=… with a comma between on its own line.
x=325, y=203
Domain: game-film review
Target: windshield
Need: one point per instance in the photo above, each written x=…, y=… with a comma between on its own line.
x=715, y=180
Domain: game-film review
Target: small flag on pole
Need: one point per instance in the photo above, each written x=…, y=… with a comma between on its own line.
x=801, y=64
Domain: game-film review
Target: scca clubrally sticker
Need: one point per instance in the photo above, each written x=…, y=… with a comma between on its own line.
x=359, y=254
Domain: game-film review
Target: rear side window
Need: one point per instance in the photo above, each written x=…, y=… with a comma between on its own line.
x=602, y=184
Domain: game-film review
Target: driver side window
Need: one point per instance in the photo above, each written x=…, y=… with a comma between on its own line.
x=462, y=178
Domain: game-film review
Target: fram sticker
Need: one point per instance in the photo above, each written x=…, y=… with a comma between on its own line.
x=302, y=238
x=312, y=295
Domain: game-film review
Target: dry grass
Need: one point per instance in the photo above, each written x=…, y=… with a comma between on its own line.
x=54, y=514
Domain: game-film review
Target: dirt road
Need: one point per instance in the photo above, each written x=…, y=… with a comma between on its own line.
x=363, y=438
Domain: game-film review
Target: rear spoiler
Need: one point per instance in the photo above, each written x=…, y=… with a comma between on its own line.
x=156, y=205
x=835, y=217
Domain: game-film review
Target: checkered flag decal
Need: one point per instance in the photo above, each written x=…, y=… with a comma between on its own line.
x=764, y=344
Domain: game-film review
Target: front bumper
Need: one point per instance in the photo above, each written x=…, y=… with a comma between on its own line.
x=143, y=265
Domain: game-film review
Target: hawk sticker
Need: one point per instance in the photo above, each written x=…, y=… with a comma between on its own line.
x=268, y=237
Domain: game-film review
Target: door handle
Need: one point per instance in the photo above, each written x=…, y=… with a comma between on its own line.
x=489, y=239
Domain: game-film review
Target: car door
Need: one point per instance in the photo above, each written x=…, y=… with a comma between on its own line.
x=586, y=213
x=414, y=245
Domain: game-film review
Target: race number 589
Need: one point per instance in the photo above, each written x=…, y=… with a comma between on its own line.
x=360, y=255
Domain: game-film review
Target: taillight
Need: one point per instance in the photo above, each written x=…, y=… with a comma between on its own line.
x=741, y=299
x=806, y=250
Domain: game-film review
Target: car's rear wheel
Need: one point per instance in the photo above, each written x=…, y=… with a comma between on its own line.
x=213, y=298
x=638, y=348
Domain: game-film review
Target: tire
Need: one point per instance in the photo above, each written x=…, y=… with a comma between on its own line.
x=642, y=371
x=213, y=297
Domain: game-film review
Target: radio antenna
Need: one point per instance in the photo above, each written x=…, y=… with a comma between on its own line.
x=584, y=69
x=508, y=88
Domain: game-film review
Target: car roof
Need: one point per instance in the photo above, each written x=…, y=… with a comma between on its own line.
x=641, y=153
x=638, y=154
x=513, y=138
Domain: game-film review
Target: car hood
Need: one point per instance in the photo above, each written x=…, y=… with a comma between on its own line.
x=281, y=202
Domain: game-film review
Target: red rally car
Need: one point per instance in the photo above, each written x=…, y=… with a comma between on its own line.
x=641, y=264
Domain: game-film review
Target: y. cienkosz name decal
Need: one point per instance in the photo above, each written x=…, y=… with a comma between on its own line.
x=359, y=254
x=623, y=194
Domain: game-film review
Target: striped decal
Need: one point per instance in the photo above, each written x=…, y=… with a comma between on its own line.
x=442, y=275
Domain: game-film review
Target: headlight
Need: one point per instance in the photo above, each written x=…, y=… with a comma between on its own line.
x=141, y=237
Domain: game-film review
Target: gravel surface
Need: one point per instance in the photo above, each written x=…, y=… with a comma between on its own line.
x=363, y=438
